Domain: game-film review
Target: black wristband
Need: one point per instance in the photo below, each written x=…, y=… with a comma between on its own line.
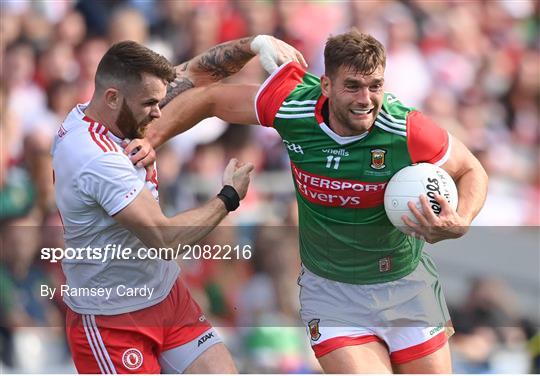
x=230, y=197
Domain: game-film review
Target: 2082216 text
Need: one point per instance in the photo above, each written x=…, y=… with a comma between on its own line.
x=215, y=252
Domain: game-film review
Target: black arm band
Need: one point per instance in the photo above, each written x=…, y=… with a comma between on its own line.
x=230, y=198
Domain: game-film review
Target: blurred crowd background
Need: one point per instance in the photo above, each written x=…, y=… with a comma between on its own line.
x=473, y=66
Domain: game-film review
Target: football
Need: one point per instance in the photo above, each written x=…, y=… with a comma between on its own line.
x=412, y=181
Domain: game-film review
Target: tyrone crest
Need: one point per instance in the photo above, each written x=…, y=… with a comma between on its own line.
x=132, y=359
x=314, y=329
x=377, y=159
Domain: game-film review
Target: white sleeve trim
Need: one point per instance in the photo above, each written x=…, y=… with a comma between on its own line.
x=264, y=84
x=446, y=155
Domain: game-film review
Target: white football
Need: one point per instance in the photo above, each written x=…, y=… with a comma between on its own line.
x=409, y=183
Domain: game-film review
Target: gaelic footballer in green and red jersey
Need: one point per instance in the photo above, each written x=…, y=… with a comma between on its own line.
x=340, y=181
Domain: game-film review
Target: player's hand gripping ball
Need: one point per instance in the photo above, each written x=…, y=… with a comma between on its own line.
x=412, y=181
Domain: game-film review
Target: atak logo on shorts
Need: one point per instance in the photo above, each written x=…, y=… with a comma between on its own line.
x=132, y=359
x=205, y=338
x=377, y=159
x=314, y=329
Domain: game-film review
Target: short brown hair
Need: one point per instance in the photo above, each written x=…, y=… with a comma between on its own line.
x=126, y=61
x=354, y=50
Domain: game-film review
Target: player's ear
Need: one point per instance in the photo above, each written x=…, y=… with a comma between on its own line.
x=325, y=85
x=113, y=98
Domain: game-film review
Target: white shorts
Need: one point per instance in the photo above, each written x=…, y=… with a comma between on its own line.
x=409, y=315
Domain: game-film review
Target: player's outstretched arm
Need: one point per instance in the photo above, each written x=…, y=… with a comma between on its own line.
x=144, y=218
x=228, y=58
x=232, y=103
x=471, y=181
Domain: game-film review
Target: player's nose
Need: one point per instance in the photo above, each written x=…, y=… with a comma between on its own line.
x=363, y=98
x=156, y=112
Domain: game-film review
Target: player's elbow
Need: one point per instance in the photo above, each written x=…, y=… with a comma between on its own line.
x=479, y=171
x=483, y=174
x=158, y=234
x=164, y=232
x=470, y=166
x=213, y=94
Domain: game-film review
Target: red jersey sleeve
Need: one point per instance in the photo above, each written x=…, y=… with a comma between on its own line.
x=275, y=90
x=426, y=141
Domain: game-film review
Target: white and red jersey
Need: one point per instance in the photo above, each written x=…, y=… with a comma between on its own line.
x=94, y=180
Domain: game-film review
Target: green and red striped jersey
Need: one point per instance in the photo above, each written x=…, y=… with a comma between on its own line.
x=345, y=234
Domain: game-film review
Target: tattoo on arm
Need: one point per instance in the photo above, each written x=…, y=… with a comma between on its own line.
x=226, y=59
x=175, y=88
x=218, y=62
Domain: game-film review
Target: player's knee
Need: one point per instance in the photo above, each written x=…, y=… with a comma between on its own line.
x=205, y=354
x=437, y=362
x=216, y=359
x=370, y=357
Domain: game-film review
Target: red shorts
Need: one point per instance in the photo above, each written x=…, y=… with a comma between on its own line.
x=132, y=342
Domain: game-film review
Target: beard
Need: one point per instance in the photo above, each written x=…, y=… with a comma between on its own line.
x=128, y=125
x=342, y=113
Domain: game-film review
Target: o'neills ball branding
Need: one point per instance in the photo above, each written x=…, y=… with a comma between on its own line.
x=437, y=184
